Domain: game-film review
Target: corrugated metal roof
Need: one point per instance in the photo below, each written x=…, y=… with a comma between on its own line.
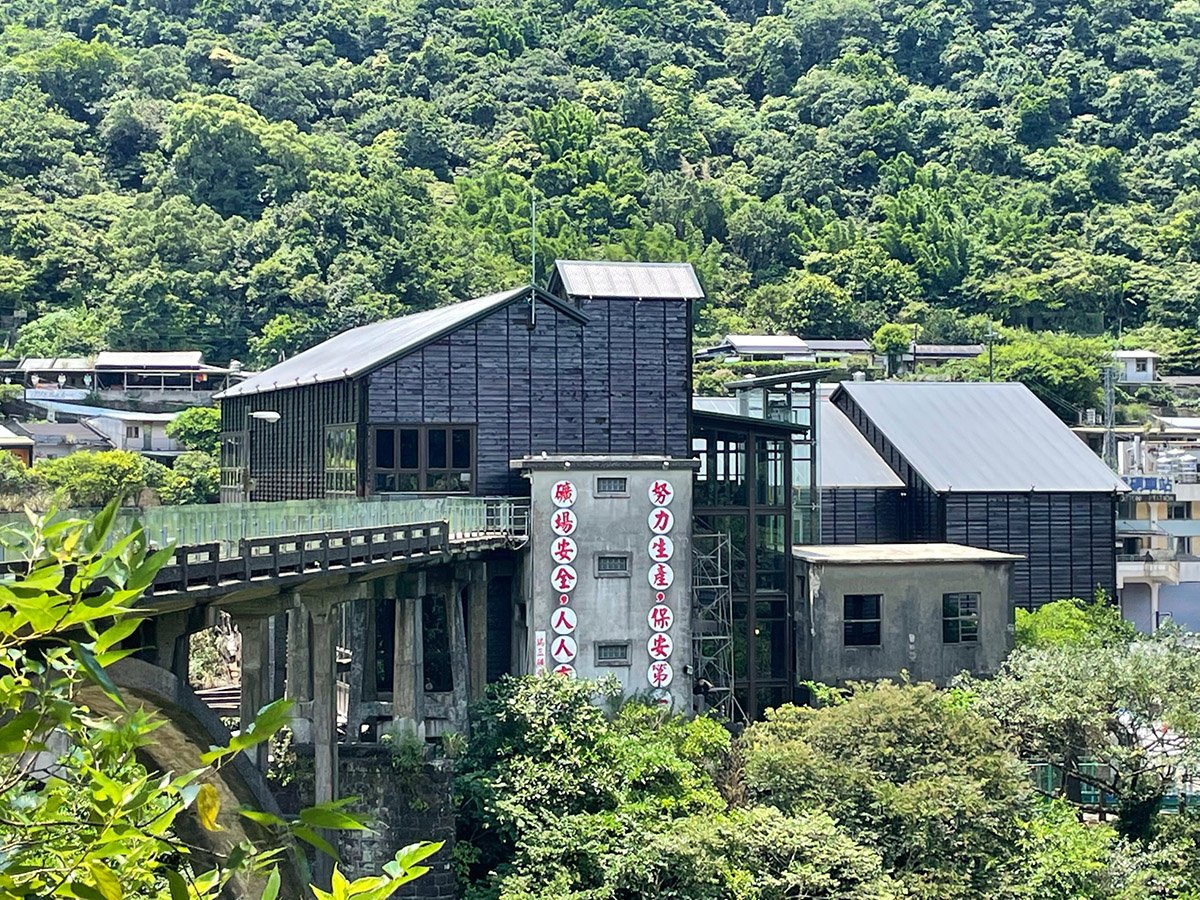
x=766, y=343
x=726, y=406
x=101, y=412
x=860, y=554
x=361, y=349
x=1135, y=354
x=633, y=280
x=948, y=349
x=861, y=345
x=166, y=359
x=981, y=437
x=56, y=364
x=845, y=458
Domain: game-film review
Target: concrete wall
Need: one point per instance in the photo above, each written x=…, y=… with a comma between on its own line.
x=406, y=807
x=911, y=623
x=1177, y=603
x=612, y=608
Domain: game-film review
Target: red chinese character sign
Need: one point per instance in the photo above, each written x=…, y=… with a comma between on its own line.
x=564, y=550
x=661, y=576
x=564, y=522
x=661, y=520
x=563, y=578
x=661, y=493
x=539, y=652
x=564, y=649
x=565, y=670
x=563, y=494
x=661, y=548
x=563, y=620
x=660, y=617
x=659, y=646
x=660, y=674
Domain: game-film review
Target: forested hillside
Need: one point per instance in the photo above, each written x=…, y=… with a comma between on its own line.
x=248, y=176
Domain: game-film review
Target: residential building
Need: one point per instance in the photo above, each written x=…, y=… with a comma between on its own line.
x=18, y=445
x=835, y=351
x=52, y=440
x=1136, y=366
x=168, y=376
x=750, y=347
x=134, y=430
x=988, y=465
x=867, y=612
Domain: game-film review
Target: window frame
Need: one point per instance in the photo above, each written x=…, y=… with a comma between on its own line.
x=848, y=622
x=327, y=470
x=959, y=617
x=612, y=573
x=625, y=660
x=622, y=492
x=424, y=472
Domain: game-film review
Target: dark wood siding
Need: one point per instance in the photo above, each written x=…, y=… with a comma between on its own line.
x=287, y=458
x=636, y=355
x=523, y=388
x=1067, y=540
x=861, y=515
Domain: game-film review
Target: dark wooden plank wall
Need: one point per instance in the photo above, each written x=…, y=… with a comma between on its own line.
x=616, y=385
x=1067, y=539
x=637, y=358
x=287, y=458
x=523, y=388
x=861, y=515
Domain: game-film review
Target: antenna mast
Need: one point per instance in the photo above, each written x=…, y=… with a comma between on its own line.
x=532, y=256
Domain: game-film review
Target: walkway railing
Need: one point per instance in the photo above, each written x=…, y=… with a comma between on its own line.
x=228, y=524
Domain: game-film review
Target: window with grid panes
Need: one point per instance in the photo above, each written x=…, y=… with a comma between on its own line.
x=960, y=618
x=861, y=619
x=435, y=458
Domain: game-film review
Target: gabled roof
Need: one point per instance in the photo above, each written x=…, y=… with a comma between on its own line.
x=981, y=437
x=157, y=359
x=627, y=280
x=766, y=343
x=1135, y=354
x=55, y=364
x=845, y=458
x=359, y=350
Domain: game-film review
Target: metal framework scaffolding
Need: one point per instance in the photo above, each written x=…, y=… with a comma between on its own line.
x=712, y=626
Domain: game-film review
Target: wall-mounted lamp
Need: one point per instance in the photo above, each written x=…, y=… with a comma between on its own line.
x=266, y=415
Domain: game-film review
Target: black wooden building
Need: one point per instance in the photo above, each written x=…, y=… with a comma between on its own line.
x=988, y=465
x=440, y=401
x=861, y=497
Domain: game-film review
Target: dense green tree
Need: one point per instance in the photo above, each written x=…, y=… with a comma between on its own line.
x=198, y=428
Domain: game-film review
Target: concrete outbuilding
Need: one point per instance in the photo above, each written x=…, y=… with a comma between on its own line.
x=870, y=611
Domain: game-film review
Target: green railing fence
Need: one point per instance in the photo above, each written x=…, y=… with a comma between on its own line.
x=229, y=523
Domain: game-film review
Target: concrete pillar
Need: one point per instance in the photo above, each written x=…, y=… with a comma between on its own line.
x=299, y=670
x=408, y=678
x=362, y=659
x=477, y=623
x=324, y=615
x=255, y=687
x=171, y=645
x=459, y=665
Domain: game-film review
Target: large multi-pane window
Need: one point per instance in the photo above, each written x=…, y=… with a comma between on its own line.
x=437, y=458
x=341, y=460
x=960, y=618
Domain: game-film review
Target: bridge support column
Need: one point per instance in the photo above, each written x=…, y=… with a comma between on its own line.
x=460, y=667
x=323, y=612
x=256, y=683
x=408, y=662
x=299, y=672
x=477, y=623
x=362, y=658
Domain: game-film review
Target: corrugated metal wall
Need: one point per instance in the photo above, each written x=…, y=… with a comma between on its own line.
x=861, y=515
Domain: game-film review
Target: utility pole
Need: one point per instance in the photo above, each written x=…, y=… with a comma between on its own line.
x=532, y=256
x=1109, y=450
x=990, y=337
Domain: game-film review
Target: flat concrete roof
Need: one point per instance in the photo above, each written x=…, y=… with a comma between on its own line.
x=859, y=554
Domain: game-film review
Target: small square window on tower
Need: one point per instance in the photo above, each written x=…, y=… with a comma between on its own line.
x=612, y=486
x=612, y=653
x=612, y=565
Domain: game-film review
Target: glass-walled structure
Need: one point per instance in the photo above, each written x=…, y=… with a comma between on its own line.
x=744, y=489
x=793, y=399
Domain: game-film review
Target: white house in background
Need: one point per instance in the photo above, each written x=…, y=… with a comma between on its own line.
x=1136, y=366
x=140, y=432
x=758, y=346
x=179, y=376
x=836, y=350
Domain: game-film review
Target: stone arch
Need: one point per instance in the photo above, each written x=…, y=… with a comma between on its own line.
x=189, y=729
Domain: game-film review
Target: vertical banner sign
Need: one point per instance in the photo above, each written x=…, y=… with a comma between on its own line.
x=539, y=652
x=660, y=576
x=563, y=648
